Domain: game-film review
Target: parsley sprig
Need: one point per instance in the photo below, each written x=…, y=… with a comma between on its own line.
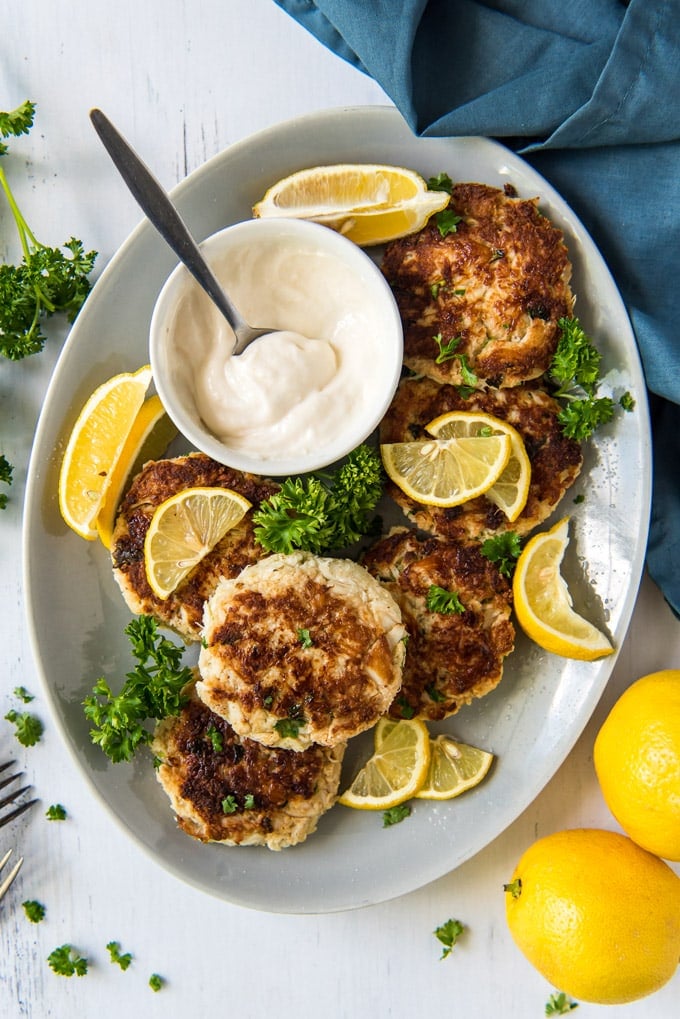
x=575, y=372
x=504, y=550
x=448, y=934
x=322, y=512
x=47, y=280
x=66, y=961
x=154, y=689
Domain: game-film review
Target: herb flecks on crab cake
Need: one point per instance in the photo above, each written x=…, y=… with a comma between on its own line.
x=482, y=303
x=235, y=791
x=555, y=459
x=301, y=649
x=182, y=611
x=456, y=607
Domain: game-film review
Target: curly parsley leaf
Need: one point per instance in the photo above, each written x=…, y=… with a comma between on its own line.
x=154, y=689
x=6, y=469
x=504, y=550
x=559, y=1004
x=66, y=961
x=322, y=513
x=34, y=910
x=580, y=418
x=56, y=812
x=395, y=815
x=116, y=956
x=448, y=934
x=22, y=693
x=443, y=601
x=156, y=982
x=48, y=280
x=575, y=372
x=28, y=728
x=442, y=182
x=447, y=222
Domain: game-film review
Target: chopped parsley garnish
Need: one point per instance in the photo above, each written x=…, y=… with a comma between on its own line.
x=394, y=815
x=443, y=601
x=447, y=222
x=304, y=638
x=627, y=402
x=123, y=960
x=447, y=351
x=215, y=737
x=289, y=728
x=155, y=982
x=249, y=802
x=405, y=709
x=442, y=182
x=154, y=689
x=22, y=693
x=559, y=1004
x=322, y=512
x=497, y=253
x=229, y=804
x=28, y=728
x=34, y=910
x=66, y=962
x=6, y=469
x=503, y=550
x=448, y=934
x=56, y=812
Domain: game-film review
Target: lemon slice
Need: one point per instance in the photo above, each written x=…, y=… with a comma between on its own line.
x=446, y=472
x=149, y=437
x=397, y=768
x=369, y=203
x=184, y=529
x=511, y=491
x=543, y=604
x=94, y=446
x=454, y=767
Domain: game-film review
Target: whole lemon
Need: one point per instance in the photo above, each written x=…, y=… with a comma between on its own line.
x=637, y=760
x=597, y=915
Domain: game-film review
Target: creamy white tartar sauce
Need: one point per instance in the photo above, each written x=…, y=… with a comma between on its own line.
x=292, y=390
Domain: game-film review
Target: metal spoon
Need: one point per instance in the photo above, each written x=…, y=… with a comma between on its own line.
x=156, y=204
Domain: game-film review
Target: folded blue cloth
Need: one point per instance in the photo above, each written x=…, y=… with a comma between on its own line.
x=589, y=93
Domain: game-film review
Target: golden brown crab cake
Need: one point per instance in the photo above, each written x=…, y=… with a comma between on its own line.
x=301, y=649
x=555, y=459
x=456, y=607
x=492, y=291
x=231, y=790
x=182, y=611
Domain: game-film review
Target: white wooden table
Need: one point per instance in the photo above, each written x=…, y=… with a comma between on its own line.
x=188, y=78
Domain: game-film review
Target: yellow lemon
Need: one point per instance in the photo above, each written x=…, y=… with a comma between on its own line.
x=454, y=768
x=184, y=529
x=149, y=437
x=446, y=472
x=597, y=915
x=511, y=490
x=543, y=604
x=397, y=768
x=637, y=760
x=94, y=446
x=369, y=203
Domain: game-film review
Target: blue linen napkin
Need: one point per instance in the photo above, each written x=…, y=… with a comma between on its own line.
x=589, y=93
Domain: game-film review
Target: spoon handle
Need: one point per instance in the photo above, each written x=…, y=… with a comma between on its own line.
x=156, y=204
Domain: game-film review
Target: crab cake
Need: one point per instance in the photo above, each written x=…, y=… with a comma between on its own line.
x=555, y=459
x=238, y=792
x=300, y=649
x=182, y=611
x=456, y=646
x=492, y=291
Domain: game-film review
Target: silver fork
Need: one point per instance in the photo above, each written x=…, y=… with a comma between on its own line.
x=8, y=798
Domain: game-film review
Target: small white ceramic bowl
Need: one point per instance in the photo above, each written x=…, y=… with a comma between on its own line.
x=290, y=275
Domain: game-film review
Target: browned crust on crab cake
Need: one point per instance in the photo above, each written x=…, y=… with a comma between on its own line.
x=301, y=649
x=158, y=480
x=499, y=283
x=274, y=797
x=451, y=658
x=555, y=459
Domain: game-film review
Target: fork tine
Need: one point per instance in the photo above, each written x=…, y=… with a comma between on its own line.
x=17, y=812
x=6, y=765
x=10, y=778
x=11, y=797
x=12, y=874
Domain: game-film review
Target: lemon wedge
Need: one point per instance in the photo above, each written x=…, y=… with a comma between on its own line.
x=454, y=767
x=149, y=437
x=184, y=529
x=369, y=203
x=94, y=447
x=447, y=472
x=397, y=768
x=543, y=604
x=511, y=490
